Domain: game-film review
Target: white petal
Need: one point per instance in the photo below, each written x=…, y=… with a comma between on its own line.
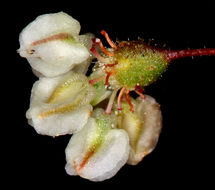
x=143, y=127
x=83, y=67
x=45, y=87
x=46, y=25
x=86, y=40
x=57, y=57
x=53, y=110
x=59, y=124
x=152, y=117
x=105, y=161
x=37, y=73
x=52, y=57
x=70, y=169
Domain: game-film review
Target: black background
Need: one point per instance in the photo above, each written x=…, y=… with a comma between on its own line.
x=183, y=156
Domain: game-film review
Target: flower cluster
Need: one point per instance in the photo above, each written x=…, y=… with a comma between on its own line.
x=66, y=101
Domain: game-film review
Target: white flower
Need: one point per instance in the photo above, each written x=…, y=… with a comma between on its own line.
x=97, y=152
x=62, y=101
x=143, y=126
x=60, y=105
x=52, y=45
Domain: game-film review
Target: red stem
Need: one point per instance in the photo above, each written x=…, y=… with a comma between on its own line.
x=172, y=55
x=108, y=76
x=129, y=101
x=111, y=43
x=93, y=81
x=120, y=98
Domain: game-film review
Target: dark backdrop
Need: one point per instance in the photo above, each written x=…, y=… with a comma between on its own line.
x=183, y=156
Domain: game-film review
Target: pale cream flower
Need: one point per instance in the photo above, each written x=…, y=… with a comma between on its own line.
x=62, y=101
x=99, y=150
x=60, y=105
x=52, y=45
x=143, y=126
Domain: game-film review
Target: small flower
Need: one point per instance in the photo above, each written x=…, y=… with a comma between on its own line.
x=107, y=142
x=60, y=105
x=52, y=45
x=98, y=151
x=143, y=126
x=63, y=98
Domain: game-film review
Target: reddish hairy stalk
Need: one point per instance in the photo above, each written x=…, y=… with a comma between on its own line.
x=172, y=55
x=139, y=91
x=110, y=42
x=98, y=56
x=139, y=88
x=120, y=98
x=111, y=65
x=108, y=76
x=140, y=94
x=111, y=101
x=93, y=81
x=99, y=42
x=129, y=101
